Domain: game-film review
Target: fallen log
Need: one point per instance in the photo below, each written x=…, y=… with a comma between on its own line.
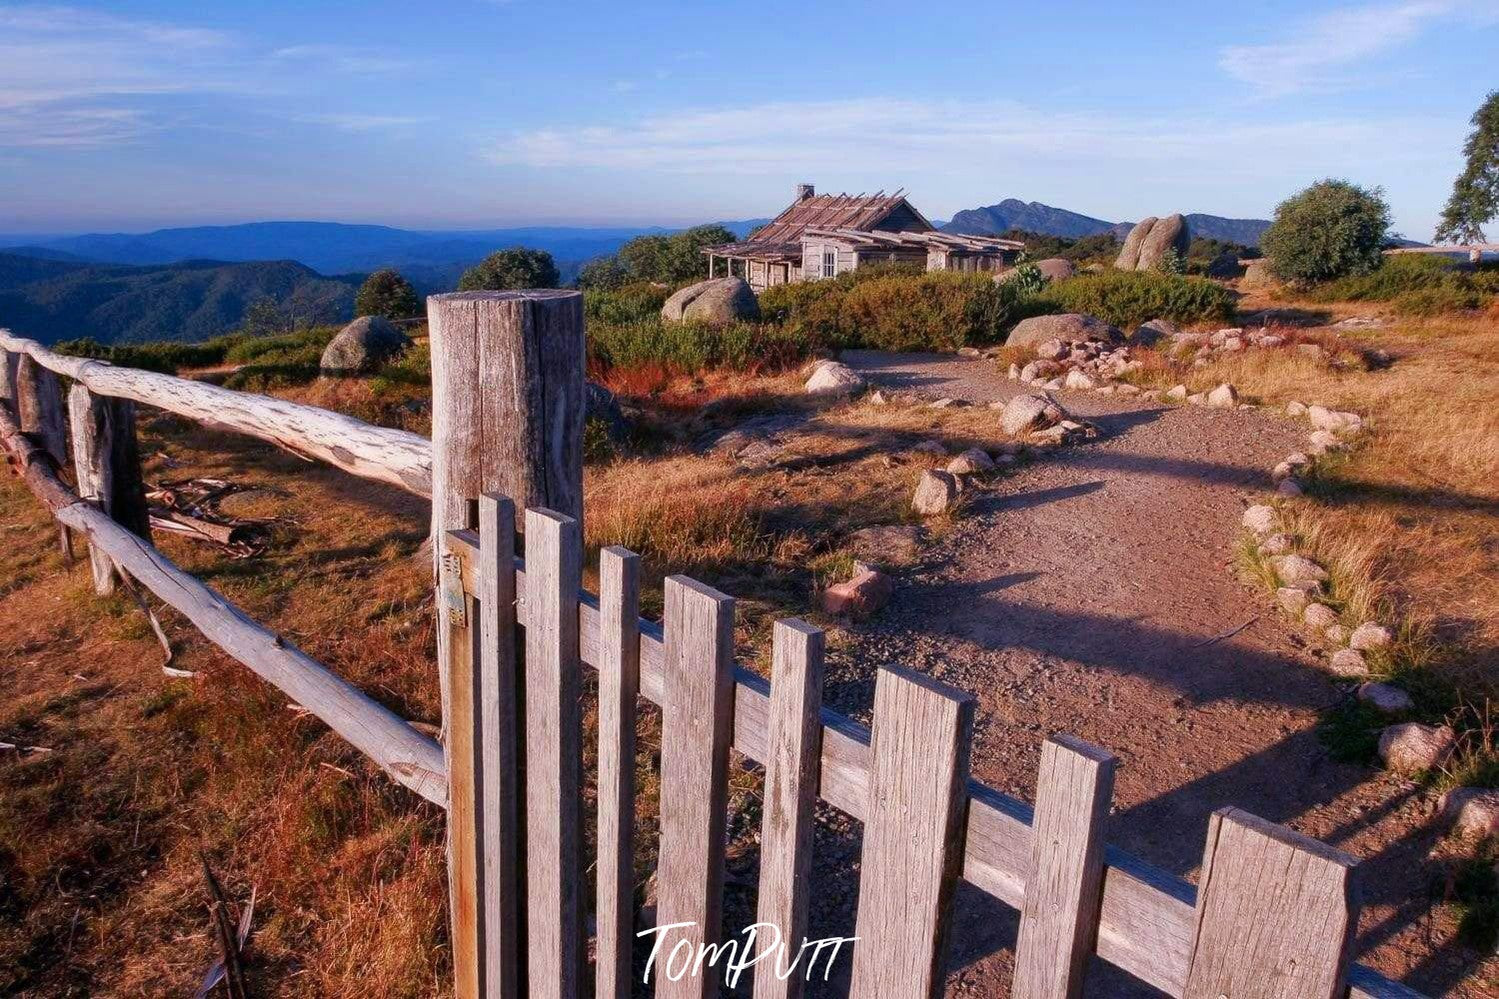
x=410, y=757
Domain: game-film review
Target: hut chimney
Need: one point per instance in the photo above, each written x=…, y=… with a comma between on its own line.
x=804, y=191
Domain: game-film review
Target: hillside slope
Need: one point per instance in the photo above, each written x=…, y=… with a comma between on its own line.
x=52, y=300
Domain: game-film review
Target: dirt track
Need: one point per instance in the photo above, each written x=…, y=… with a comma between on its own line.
x=1088, y=593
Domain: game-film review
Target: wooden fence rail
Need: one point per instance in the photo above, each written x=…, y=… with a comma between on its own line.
x=510, y=780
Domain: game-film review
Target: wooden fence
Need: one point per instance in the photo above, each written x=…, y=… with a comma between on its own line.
x=1274, y=914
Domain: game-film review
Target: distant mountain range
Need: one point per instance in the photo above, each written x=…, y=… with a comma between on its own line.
x=431, y=259
x=53, y=300
x=1012, y=213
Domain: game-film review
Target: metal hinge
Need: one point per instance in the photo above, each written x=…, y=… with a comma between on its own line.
x=451, y=585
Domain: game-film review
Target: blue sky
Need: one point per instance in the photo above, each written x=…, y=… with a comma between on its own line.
x=477, y=113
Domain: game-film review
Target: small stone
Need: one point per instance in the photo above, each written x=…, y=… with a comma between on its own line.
x=1014, y=372
x=1177, y=393
x=1369, y=636
x=1225, y=396
x=1199, y=399
x=933, y=448
x=1291, y=600
x=1322, y=441
x=1294, y=408
x=866, y=593
x=1385, y=697
x=1276, y=544
x=1128, y=389
x=1293, y=569
x=1051, y=350
x=1035, y=411
x=1319, y=616
x=1473, y=811
x=1077, y=380
x=1282, y=472
x=834, y=379
x=1336, y=635
x=974, y=461
x=1288, y=488
x=1411, y=747
x=878, y=398
x=935, y=493
x=1260, y=519
x=969, y=352
x=1348, y=663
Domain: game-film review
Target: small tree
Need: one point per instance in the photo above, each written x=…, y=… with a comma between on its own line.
x=603, y=273
x=1475, y=193
x=511, y=269
x=1330, y=230
x=265, y=317
x=386, y=293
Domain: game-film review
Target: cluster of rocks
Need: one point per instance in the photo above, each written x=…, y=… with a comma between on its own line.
x=1204, y=347
x=939, y=489
x=1041, y=420
x=1074, y=352
x=1301, y=590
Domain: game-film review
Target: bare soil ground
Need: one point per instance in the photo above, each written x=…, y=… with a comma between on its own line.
x=1089, y=595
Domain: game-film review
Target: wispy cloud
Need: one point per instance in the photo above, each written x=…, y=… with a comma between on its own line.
x=354, y=122
x=909, y=137
x=1322, y=53
x=71, y=77
x=342, y=59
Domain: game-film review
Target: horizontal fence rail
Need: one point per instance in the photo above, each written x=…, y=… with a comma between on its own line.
x=380, y=453
x=1147, y=922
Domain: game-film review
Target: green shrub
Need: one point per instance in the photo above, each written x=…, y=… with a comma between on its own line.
x=1330, y=230
x=688, y=347
x=162, y=356
x=1128, y=298
x=1416, y=284
x=897, y=308
x=386, y=293
x=278, y=361
x=504, y=270
x=627, y=303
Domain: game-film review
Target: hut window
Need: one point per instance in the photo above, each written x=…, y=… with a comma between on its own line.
x=829, y=263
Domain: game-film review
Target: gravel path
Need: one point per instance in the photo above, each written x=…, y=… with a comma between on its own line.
x=1089, y=593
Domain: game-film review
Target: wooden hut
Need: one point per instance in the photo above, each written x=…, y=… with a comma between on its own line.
x=776, y=253
x=824, y=235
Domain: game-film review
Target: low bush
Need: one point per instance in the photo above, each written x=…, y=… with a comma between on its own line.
x=641, y=300
x=1128, y=298
x=684, y=348
x=897, y=308
x=1416, y=284
x=278, y=361
x=163, y=357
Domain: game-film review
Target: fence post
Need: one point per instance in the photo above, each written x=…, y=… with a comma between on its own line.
x=507, y=418
x=507, y=402
x=8, y=362
x=107, y=464
x=39, y=408
x=1276, y=913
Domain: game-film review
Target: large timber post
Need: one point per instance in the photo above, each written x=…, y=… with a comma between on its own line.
x=508, y=407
